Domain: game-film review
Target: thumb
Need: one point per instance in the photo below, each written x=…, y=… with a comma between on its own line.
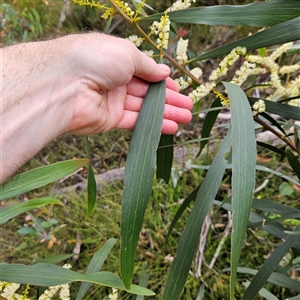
x=146, y=68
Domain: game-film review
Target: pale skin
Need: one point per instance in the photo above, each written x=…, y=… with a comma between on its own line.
x=81, y=84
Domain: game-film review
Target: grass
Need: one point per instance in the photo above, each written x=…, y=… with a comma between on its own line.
x=109, y=151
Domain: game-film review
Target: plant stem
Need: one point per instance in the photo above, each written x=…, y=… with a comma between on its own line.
x=153, y=44
x=275, y=132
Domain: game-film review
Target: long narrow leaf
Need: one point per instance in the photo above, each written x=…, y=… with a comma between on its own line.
x=259, y=14
x=139, y=172
x=270, y=147
x=243, y=172
x=189, y=239
x=275, y=229
x=91, y=191
x=258, y=168
x=11, y=211
x=294, y=162
x=53, y=259
x=276, y=278
x=273, y=207
x=209, y=123
x=144, y=278
x=95, y=265
x=273, y=122
x=49, y=275
x=278, y=34
x=185, y=204
x=284, y=110
x=165, y=157
x=39, y=177
x=269, y=266
x=262, y=292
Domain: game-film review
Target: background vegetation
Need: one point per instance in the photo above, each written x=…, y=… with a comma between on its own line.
x=54, y=230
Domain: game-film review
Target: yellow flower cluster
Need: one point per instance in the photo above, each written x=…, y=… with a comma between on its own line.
x=253, y=65
x=137, y=41
x=203, y=90
x=184, y=83
x=161, y=29
x=181, y=50
x=259, y=107
x=242, y=74
x=180, y=4
x=269, y=64
x=229, y=60
x=89, y=3
x=108, y=11
x=113, y=295
x=124, y=6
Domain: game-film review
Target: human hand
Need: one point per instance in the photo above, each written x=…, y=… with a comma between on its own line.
x=115, y=77
x=82, y=84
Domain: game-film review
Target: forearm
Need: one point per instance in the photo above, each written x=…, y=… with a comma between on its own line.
x=30, y=108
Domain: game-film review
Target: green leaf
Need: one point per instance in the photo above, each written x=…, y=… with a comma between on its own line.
x=164, y=158
x=275, y=229
x=243, y=171
x=293, y=298
x=270, y=147
x=273, y=122
x=269, y=266
x=273, y=207
x=26, y=230
x=11, y=211
x=144, y=278
x=91, y=191
x=53, y=259
x=262, y=292
x=95, y=265
x=285, y=189
x=259, y=14
x=258, y=168
x=297, y=140
x=185, y=204
x=189, y=238
x=278, y=34
x=49, y=275
x=284, y=110
x=294, y=162
x=209, y=123
x=39, y=177
x=276, y=278
x=280, y=174
x=139, y=172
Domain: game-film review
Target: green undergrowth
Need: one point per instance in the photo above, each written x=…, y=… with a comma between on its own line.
x=74, y=233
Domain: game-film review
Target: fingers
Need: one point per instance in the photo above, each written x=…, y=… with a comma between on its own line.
x=138, y=87
x=129, y=121
x=173, y=98
x=172, y=117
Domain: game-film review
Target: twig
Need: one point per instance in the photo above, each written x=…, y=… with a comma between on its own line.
x=153, y=44
x=225, y=234
x=275, y=132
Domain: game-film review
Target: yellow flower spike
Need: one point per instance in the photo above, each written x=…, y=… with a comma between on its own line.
x=139, y=8
x=259, y=107
x=88, y=3
x=224, y=100
x=26, y=291
x=125, y=8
